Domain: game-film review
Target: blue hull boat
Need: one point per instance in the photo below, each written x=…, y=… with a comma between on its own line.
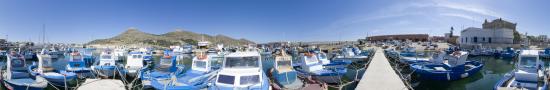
x=283, y=75
x=76, y=64
x=44, y=69
x=56, y=77
x=166, y=71
x=191, y=80
x=241, y=71
x=198, y=77
x=16, y=76
x=106, y=71
x=428, y=71
x=509, y=53
x=311, y=66
x=447, y=67
x=545, y=53
x=107, y=66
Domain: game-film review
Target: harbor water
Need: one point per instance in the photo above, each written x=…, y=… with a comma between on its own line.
x=492, y=72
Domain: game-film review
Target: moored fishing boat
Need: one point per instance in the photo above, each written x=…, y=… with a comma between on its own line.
x=16, y=77
x=241, y=70
x=283, y=76
x=529, y=74
x=107, y=66
x=134, y=63
x=198, y=77
x=45, y=69
x=352, y=54
x=509, y=53
x=75, y=63
x=166, y=71
x=447, y=67
x=410, y=55
x=310, y=66
x=545, y=53
x=88, y=56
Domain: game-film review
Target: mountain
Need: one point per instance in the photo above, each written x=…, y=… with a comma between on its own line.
x=133, y=36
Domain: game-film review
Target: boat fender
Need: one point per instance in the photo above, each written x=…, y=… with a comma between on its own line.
x=464, y=75
x=448, y=76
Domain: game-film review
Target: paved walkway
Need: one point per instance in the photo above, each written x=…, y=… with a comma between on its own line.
x=380, y=75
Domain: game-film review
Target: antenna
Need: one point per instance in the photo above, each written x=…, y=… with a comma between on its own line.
x=43, y=33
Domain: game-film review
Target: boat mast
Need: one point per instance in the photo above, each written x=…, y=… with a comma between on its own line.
x=43, y=35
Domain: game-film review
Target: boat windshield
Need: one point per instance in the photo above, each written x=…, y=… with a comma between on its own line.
x=311, y=59
x=528, y=62
x=106, y=57
x=226, y=79
x=136, y=56
x=283, y=63
x=322, y=56
x=166, y=61
x=46, y=62
x=17, y=62
x=87, y=53
x=248, y=80
x=242, y=62
x=199, y=64
x=77, y=58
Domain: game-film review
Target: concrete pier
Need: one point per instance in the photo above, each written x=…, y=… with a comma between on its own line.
x=380, y=75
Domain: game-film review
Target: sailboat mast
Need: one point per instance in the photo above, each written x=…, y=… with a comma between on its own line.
x=43, y=34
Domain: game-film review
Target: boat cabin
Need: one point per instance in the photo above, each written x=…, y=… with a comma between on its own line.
x=283, y=63
x=241, y=70
x=15, y=63
x=107, y=58
x=44, y=63
x=167, y=63
x=529, y=66
x=134, y=60
x=310, y=62
x=201, y=62
x=76, y=60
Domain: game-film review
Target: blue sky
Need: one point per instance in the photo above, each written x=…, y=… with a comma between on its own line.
x=80, y=21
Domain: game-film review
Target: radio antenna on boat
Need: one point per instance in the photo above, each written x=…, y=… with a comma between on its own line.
x=43, y=35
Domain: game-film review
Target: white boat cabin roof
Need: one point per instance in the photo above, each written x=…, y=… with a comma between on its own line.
x=529, y=53
x=243, y=54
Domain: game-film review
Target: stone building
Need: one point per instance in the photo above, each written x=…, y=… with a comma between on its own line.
x=495, y=34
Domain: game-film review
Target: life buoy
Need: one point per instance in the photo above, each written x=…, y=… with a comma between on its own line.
x=167, y=57
x=201, y=57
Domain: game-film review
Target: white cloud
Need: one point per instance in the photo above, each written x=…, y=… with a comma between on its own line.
x=463, y=16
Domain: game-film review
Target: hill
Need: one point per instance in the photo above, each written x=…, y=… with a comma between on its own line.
x=133, y=36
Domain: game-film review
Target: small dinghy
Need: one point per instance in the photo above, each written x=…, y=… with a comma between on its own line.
x=16, y=77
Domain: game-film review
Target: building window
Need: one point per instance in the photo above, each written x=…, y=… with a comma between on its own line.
x=475, y=39
x=489, y=39
x=483, y=39
x=466, y=39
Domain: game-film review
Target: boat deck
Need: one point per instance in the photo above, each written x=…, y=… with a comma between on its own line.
x=380, y=75
x=102, y=84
